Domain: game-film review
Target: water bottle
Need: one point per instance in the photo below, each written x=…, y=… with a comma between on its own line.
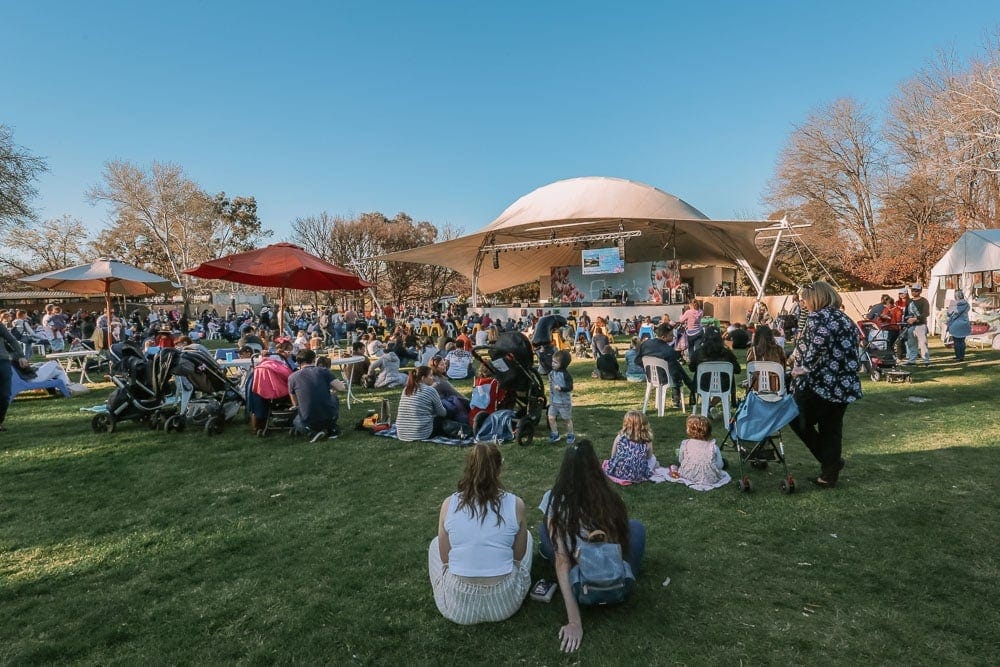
x=229, y=355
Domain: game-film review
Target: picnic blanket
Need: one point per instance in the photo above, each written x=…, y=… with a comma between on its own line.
x=657, y=474
x=441, y=440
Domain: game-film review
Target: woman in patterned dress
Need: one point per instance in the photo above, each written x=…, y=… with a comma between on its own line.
x=825, y=378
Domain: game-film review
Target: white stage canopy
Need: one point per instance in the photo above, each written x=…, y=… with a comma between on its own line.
x=551, y=220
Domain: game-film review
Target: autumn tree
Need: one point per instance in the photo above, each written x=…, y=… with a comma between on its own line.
x=918, y=227
x=355, y=242
x=165, y=221
x=19, y=170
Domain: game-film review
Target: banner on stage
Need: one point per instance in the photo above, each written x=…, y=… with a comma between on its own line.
x=640, y=282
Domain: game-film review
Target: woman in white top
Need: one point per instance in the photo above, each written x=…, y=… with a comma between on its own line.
x=480, y=561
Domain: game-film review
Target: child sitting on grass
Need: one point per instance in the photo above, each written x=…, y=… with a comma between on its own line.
x=632, y=457
x=699, y=457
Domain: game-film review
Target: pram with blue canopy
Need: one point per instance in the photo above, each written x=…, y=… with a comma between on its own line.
x=755, y=431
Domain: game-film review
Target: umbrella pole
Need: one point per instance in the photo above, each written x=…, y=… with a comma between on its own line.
x=281, y=313
x=107, y=310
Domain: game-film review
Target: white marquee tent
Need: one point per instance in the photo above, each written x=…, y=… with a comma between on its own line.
x=973, y=264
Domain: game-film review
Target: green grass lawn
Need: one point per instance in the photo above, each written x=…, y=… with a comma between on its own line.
x=147, y=547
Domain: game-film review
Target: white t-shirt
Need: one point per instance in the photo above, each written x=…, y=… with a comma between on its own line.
x=458, y=364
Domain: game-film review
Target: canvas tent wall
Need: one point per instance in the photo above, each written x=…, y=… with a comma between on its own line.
x=550, y=218
x=972, y=264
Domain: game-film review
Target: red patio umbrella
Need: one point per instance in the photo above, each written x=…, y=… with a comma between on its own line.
x=281, y=265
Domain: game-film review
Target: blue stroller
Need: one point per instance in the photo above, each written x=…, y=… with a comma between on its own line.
x=755, y=430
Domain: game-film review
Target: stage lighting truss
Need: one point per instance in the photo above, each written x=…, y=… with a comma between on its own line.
x=618, y=237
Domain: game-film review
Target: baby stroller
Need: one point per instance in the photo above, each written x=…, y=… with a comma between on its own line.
x=511, y=363
x=542, y=341
x=876, y=350
x=216, y=399
x=145, y=391
x=755, y=428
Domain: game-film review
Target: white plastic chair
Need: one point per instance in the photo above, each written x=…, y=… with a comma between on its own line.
x=719, y=384
x=770, y=376
x=658, y=377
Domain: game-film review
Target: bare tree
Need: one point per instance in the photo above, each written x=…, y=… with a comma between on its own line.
x=165, y=221
x=354, y=243
x=18, y=171
x=44, y=246
x=829, y=169
x=945, y=124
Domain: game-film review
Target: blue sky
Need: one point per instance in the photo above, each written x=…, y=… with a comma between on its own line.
x=448, y=111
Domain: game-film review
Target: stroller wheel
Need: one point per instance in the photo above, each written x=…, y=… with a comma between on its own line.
x=876, y=375
x=174, y=424
x=745, y=485
x=525, y=432
x=103, y=423
x=213, y=426
x=787, y=485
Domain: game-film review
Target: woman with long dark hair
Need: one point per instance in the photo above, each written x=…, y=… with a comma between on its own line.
x=420, y=409
x=765, y=348
x=825, y=377
x=582, y=501
x=480, y=561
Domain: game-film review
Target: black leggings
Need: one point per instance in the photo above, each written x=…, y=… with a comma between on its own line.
x=820, y=425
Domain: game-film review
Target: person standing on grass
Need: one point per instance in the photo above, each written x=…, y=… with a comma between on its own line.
x=958, y=323
x=691, y=320
x=825, y=378
x=582, y=501
x=311, y=390
x=917, y=312
x=11, y=352
x=480, y=562
x=561, y=397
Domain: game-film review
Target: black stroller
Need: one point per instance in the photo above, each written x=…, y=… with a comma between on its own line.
x=145, y=391
x=174, y=389
x=541, y=342
x=510, y=361
x=216, y=399
x=876, y=351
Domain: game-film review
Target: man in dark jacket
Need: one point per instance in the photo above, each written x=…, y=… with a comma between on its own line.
x=662, y=347
x=11, y=352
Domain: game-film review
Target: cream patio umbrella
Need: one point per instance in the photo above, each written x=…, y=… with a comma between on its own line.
x=103, y=276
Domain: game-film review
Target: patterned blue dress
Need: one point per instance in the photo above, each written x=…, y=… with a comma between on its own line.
x=631, y=460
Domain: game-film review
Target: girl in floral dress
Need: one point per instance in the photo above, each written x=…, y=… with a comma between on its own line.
x=699, y=457
x=632, y=457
